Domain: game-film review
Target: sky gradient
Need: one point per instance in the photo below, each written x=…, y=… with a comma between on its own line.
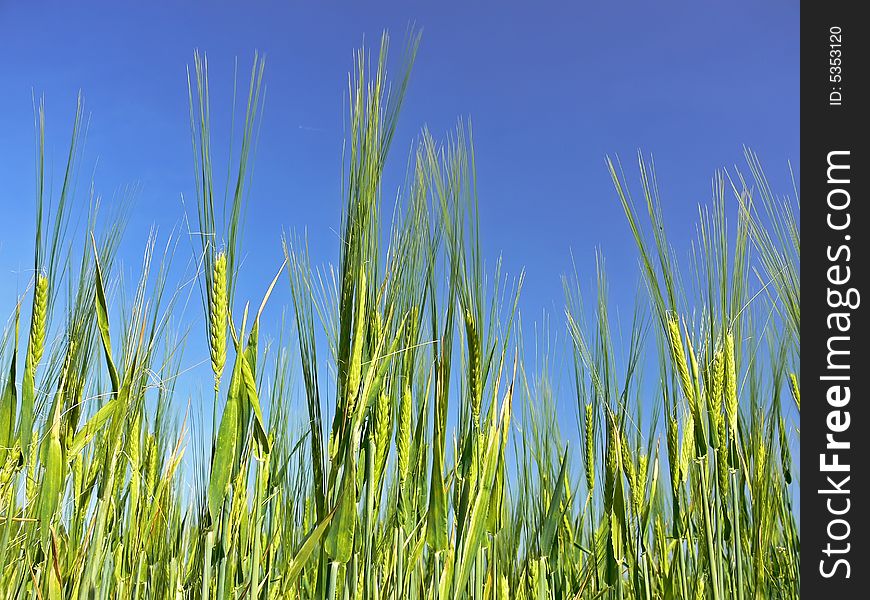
x=551, y=90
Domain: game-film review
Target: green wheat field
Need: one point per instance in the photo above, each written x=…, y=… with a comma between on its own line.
x=392, y=441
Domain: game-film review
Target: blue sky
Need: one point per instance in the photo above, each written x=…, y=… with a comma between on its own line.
x=551, y=88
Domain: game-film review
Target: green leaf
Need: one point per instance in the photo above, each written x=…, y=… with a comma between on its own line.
x=103, y=322
x=309, y=545
x=339, y=540
x=226, y=446
x=260, y=434
x=52, y=480
x=9, y=400
x=91, y=427
x=555, y=511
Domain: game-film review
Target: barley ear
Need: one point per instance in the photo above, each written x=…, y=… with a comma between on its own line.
x=673, y=440
x=35, y=349
x=150, y=463
x=383, y=423
x=641, y=482
x=589, y=462
x=630, y=471
x=218, y=317
x=795, y=389
x=678, y=354
x=36, y=343
x=473, y=366
x=687, y=454
x=695, y=401
x=714, y=398
x=730, y=384
x=355, y=370
x=722, y=464
x=403, y=431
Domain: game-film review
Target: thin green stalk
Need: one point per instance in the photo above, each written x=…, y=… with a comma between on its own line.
x=208, y=547
x=369, y=513
x=736, y=535
x=708, y=527
x=331, y=580
x=223, y=548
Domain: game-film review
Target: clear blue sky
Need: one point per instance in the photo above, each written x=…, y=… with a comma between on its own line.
x=551, y=90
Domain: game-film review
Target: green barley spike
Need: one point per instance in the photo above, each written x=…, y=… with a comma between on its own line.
x=730, y=384
x=673, y=440
x=383, y=422
x=355, y=369
x=473, y=366
x=678, y=354
x=36, y=343
x=795, y=389
x=218, y=310
x=760, y=463
x=714, y=398
x=642, y=464
x=700, y=589
x=9, y=468
x=151, y=463
x=695, y=402
x=687, y=453
x=403, y=431
x=77, y=479
x=630, y=471
x=31, y=487
x=134, y=454
x=718, y=380
x=35, y=349
x=722, y=470
x=589, y=458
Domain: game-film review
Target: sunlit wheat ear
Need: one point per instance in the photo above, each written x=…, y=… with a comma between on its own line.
x=473, y=341
x=589, y=457
x=217, y=317
x=795, y=389
x=678, y=355
x=36, y=342
x=722, y=469
x=730, y=377
x=642, y=466
x=674, y=454
x=687, y=450
x=631, y=475
x=696, y=402
x=151, y=462
x=700, y=589
x=382, y=428
x=35, y=350
x=355, y=368
x=105, y=503
x=403, y=432
x=716, y=396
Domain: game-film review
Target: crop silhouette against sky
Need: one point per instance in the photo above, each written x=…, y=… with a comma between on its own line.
x=511, y=312
x=551, y=88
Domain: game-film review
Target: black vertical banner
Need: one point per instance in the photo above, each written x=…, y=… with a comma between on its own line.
x=835, y=427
